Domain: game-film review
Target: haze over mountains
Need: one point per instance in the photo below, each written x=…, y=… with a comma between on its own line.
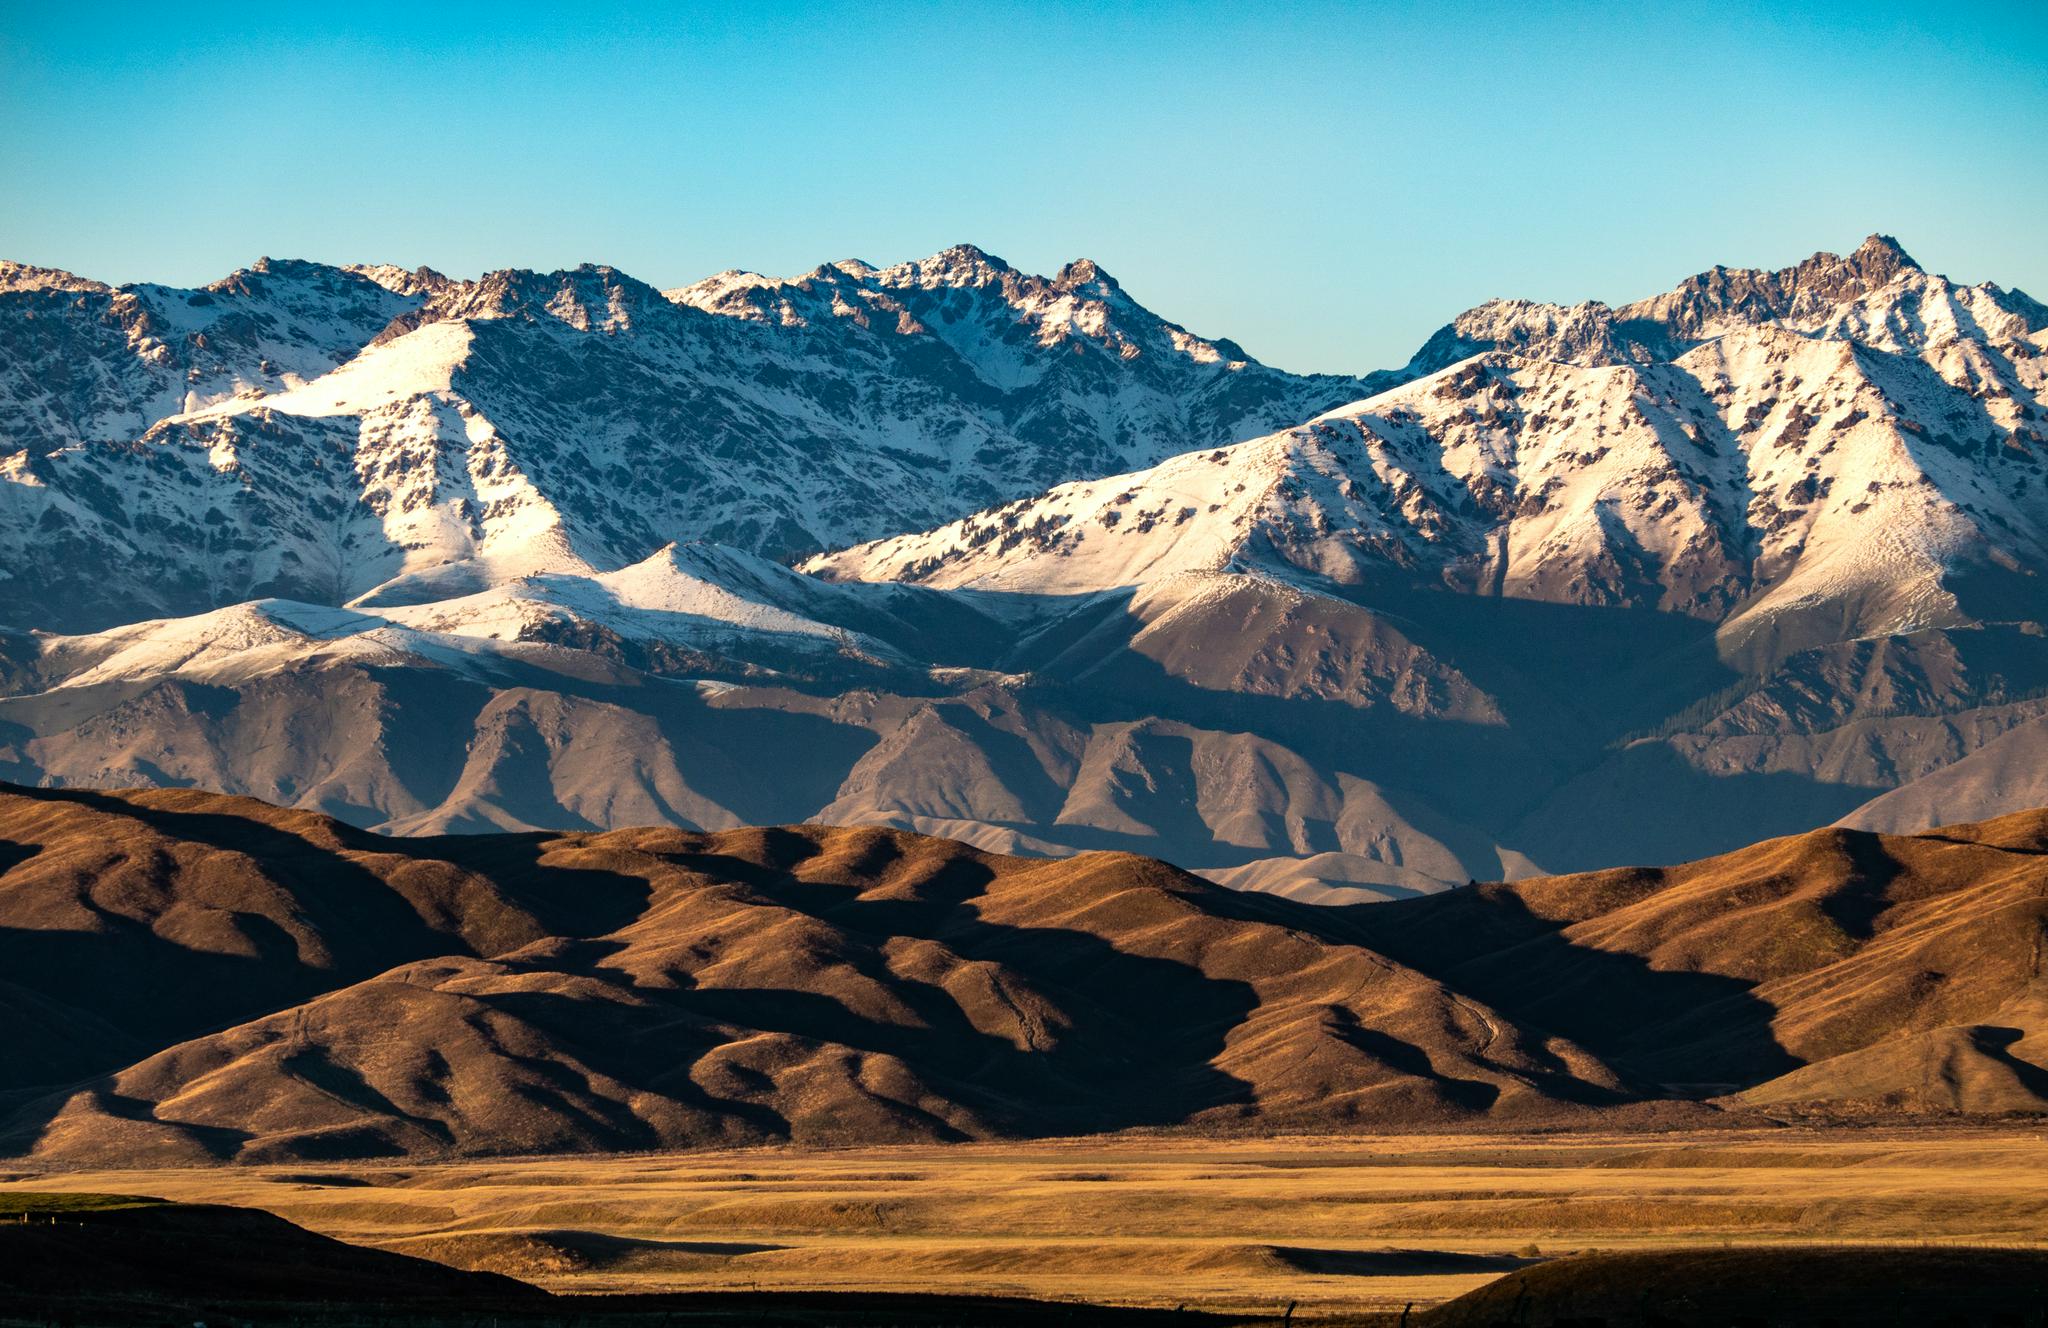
x=1577, y=586
x=189, y=978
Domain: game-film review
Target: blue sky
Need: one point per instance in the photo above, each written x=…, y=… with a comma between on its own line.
x=1325, y=184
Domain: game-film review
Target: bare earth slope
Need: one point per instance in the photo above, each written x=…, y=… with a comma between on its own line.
x=817, y=985
x=229, y=981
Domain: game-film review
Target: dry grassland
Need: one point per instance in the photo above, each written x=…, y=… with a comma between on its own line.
x=1336, y=1225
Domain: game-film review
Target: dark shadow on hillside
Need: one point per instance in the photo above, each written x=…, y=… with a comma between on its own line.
x=1394, y=1262
x=1454, y=775
x=429, y=720
x=1563, y=673
x=366, y=924
x=1929, y=1286
x=102, y=999
x=1141, y=1031
x=1856, y=909
x=1695, y=1033
x=1474, y=1095
x=162, y=991
x=604, y=1248
x=565, y=901
x=1997, y=1042
x=1575, y=684
x=1984, y=844
x=1479, y=774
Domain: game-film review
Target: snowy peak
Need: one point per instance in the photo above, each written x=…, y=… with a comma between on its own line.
x=697, y=608
x=1083, y=277
x=28, y=277
x=82, y=362
x=420, y=281
x=241, y=641
x=1812, y=296
x=1747, y=444
x=963, y=266
x=592, y=297
x=1009, y=328
x=1880, y=251
x=1714, y=300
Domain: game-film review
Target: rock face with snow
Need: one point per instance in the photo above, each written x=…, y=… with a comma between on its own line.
x=330, y=434
x=1579, y=585
x=1847, y=440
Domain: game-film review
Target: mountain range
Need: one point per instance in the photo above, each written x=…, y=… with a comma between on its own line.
x=191, y=978
x=956, y=549
x=335, y=434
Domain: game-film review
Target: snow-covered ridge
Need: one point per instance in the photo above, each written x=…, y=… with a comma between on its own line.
x=698, y=595
x=991, y=314
x=436, y=555
x=380, y=435
x=721, y=603
x=28, y=277
x=1814, y=296
x=1836, y=442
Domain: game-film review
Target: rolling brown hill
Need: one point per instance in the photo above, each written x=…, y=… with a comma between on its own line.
x=808, y=984
x=192, y=977
x=1836, y=970
x=132, y=921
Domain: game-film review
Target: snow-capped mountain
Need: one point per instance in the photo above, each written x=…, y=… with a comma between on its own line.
x=1579, y=585
x=1876, y=294
x=330, y=434
x=1844, y=441
x=85, y=362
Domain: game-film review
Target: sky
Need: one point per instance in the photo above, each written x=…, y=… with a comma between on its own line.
x=1324, y=184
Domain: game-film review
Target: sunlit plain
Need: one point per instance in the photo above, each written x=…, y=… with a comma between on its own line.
x=1335, y=1225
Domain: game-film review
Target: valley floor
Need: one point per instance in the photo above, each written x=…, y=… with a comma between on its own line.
x=1338, y=1225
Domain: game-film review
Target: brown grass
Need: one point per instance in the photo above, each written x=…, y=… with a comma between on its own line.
x=1338, y=1225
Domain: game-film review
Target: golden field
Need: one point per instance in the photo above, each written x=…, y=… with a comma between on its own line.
x=1335, y=1224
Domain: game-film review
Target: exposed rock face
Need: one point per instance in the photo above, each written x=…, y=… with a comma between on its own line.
x=1811, y=297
